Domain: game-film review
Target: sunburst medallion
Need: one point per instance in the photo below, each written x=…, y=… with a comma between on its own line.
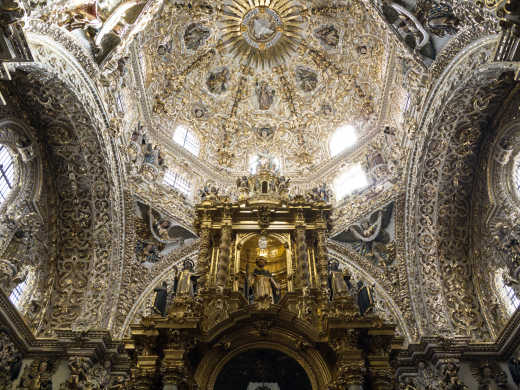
x=262, y=32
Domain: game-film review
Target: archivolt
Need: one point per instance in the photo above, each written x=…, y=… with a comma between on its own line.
x=440, y=179
x=56, y=51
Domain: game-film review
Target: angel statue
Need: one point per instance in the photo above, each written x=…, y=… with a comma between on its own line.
x=261, y=283
x=185, y=283
x=339, y=281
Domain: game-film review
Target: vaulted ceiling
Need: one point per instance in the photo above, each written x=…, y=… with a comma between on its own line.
x=264, y=76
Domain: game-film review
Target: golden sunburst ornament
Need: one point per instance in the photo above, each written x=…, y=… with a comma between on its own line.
x=262, y=32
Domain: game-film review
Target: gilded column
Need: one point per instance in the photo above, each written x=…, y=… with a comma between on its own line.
x=302, y=259
x=204, y=256
x=224, y=250
x=381, y=371
x=351, y=367
x=323, y=258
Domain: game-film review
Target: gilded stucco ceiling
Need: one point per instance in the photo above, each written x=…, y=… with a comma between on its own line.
x=264, y=76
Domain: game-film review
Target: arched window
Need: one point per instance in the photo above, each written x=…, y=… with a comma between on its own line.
x=344, y=137
x=350, y=180
x=17, y=293
x=254, y=159
x=178, y=182
x=6, y=173
x=516, y=176
x=187, y=139
x=506, y=292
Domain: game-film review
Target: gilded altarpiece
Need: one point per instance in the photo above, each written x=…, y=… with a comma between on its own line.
x=260, y=287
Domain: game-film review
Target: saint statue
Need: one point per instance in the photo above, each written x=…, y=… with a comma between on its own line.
x=159, y=305
x=261, y=283
x=365, y=298
x=514, y=369
x=339, y=281
x=186, y=281
x=265, y=95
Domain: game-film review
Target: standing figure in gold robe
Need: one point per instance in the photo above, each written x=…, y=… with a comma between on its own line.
x=186, y=280
x=264, y=287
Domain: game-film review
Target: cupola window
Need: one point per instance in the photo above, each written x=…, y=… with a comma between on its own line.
x=178, y=182
x=343, y=138
x=187, y=139
x=6, y=173
x=352, y=179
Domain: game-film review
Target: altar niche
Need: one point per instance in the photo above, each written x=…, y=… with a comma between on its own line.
x=262, y=369
x=252, y=247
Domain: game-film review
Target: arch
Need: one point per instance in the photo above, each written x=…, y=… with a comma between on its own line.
x=56, y=53
x=440, y=176
x=363, y=268
x=283, y=332
x=163, y=271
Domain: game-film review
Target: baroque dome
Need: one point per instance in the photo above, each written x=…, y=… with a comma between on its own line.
x=274, y=77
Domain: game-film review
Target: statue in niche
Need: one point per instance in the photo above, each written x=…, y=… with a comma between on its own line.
x=489, y=376
x=339, y=281
x=159, y=305
x=450, y=380
x=307, y=79
x=10, y=360
x=261, y=286
x=514, y=369
x=328, y=35
x=208, y=191
x=217, y=81
x=321, y=193
x=265, y=95
x=79, y=369
x=365, y=298
x=185, y=283
x=441, y=20
x=195, y=35
x=199, y=111
x=265, y=133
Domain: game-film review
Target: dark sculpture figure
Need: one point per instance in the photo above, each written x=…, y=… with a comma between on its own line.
x=365, y=298
x=514, y=369
x=265, y=95
x=328, y=35
x=217, y=81
x=159, y=305
x=339, y=281
x=307, y=79
x=195, y=35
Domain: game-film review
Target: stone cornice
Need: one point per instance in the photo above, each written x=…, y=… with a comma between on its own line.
x=91, y=343
x=435, y=348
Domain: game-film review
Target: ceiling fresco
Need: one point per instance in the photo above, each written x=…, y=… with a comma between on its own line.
x=261, y=76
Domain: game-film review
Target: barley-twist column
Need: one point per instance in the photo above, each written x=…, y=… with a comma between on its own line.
x=322, y=258
x=301, y=251
x=204, y=257
x=224, y=255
